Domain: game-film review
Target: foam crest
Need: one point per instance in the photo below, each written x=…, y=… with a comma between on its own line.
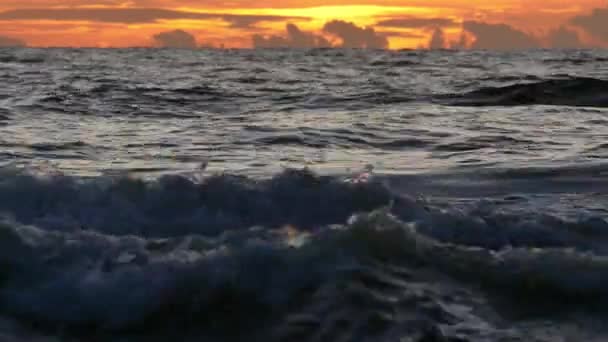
x=302, y=246
x=176, y=205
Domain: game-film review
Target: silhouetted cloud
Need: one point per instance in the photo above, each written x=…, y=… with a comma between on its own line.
x=564, y=38
x=295, y=38
x=594, y=23
x=400, y=34
x=11, y=42
x=414, y=22
x=499, y=37
x=261, y=42
x=247, y=21
x=132, y=15
x=177, y=39
x=437, y=40
x=353, y=36
x=460, y=44
x=305, y=39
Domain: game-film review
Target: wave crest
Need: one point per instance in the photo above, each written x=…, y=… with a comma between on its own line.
x=573, y=91
x=287, y=249
x=176, y=205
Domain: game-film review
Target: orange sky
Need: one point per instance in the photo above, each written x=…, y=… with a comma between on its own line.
x=232, y=23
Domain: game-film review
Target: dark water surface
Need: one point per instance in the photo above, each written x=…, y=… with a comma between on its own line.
x=160, y=194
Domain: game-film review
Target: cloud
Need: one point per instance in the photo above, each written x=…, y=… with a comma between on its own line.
x=295, y=38
x=459, y=44
x=305, y=39
x=499, y=37
x=247, y=21
x=261, y=42
x=401, y=34
x=594, y=23
x=564, y=38
x=133, y=15
x=437, y=40
x=177, y=39
x=413, y=22
x=353, y=36
x=11, y=42
x=435, y=25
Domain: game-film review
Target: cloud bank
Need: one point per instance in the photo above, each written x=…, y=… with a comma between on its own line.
x=176, y=39
x=353, y=36
x=348, y=34
x=105, y=26
x=417, y=23
x=499, y=37
x=134, y=15
x=11, y=42
x=295, y=38
x=438, y=40
x=564, y=38
x=595, y=23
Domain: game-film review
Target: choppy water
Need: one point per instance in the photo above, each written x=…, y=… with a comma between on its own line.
x=448, y=196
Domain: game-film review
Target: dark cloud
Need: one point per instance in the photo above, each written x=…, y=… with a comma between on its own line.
x=246, y=21
x=564, y=38
x=11, y=42
x=413, y=22
x=132, y=15
x=295, y=38
x=353, y=36
x=400, y=34
x=177, y=39
x=306, y=39
x=594, y=23
x=499, y=37
x=460, y=44
x=261, y=42
x=437, y=40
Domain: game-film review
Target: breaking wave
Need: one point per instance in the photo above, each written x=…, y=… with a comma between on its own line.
x=226, y=257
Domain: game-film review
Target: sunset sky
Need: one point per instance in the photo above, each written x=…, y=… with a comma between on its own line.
x=500, y=24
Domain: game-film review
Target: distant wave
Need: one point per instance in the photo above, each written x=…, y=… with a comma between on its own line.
x=577, y=91
x=395, y=63
x=68, y=146
x=480, y=142
x=576, y=60
x=226, y=255
x=22, y=58
x=344, y=140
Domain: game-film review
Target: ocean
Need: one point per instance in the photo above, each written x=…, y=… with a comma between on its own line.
x=303, y=195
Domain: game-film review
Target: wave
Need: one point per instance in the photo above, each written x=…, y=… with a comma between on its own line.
x=223, y=257
x=5, y=115
x=66, y=146
x=574, y=91
x=394, y=63
x=176, y=205
x=345, y=140
x=291, y=139
x=575, y=60
x=481, y=142
x=21, y=57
